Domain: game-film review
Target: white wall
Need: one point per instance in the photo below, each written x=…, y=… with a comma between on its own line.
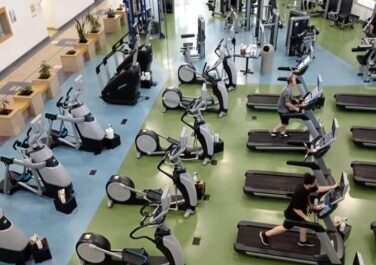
x=28, y=31
x=59, y=12
x=363, y=12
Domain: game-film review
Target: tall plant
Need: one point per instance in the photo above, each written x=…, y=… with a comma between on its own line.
x=44, y=71
x=80, y=27
x=95, y=26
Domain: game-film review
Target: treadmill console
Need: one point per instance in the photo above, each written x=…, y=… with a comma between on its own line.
x=328, y=138
x=331, y=199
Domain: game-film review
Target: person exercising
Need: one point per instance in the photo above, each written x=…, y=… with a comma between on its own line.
x=297, y=210
x=286, y=104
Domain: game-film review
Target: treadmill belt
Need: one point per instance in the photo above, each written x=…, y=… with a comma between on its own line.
x=263, y=139
x=272, y=183
x=364, y=170
x=356, y=100
x=364, y=135
x=284, y=245
x=262, y=100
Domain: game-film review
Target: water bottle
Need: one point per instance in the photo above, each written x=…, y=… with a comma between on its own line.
x=110, y=132
x=195, y=176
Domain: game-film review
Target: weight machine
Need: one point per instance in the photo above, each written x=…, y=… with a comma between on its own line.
x=267, y=18
x=140, y=12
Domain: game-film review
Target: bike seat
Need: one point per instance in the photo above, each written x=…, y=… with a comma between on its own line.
x=134, y=256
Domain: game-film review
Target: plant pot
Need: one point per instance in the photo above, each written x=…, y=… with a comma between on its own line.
x=72, y=62
x=5, y=112
x=112, y=25
x=52, y=84
x=88, y=49
x=98, y=38
x=121, y=13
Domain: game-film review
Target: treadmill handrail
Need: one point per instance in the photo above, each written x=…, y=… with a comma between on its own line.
x=318, y=228
x=310, y=164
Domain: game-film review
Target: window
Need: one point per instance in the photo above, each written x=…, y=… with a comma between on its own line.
x=367, y=3
x=5, y=28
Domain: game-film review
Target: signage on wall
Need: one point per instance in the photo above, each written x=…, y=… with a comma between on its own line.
x=33, y=10
x=12, y=16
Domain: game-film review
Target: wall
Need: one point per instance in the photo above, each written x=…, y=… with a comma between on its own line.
x=363, y=12
x=28, y=31
x=59, y=12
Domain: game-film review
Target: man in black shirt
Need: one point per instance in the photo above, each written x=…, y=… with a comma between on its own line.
x=297, y=210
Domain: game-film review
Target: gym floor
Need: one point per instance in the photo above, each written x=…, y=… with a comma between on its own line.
x=216, y=219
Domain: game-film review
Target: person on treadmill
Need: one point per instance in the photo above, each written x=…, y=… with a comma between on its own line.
x=286, y=104
x=297, y=210
x=371, y=31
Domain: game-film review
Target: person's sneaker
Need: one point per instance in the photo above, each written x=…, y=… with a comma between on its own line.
x=283, y=135
x=306, y=244
x=274, y=134
x=264, y=239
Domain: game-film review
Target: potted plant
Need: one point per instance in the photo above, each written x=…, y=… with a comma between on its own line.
x=45, y=70
x=4, y=103
x=80, y=27
x=25, y=91
x=95, y=33
x=47, y=79
x=93, y=21
x=110, y=13
x=112, y=22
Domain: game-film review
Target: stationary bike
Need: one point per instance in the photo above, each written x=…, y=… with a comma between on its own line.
x=121, y=189
x=172, y=98
x=148, y=141
x=15, y=247
x=96, y=249
x=42, y=174
x=87, y=133
x=187, y=73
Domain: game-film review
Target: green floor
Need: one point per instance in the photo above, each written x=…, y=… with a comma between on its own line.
x=216, y=219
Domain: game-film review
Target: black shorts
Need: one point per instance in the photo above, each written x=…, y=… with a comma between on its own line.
x=284, y=119
x=291, y=216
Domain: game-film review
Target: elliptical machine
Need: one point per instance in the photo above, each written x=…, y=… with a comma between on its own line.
x=42, y=174
x=187, y=73
x=148, y=141
x=124, y=87
x=172, y=98
x=96, y=249
x=15, y=247
x=87, y=133
x=121, y=189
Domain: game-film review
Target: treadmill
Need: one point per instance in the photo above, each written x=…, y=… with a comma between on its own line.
x=364, y=136
x=282, y=185
x=364, y=173
x=329, y=244
x=263, y=140
x=356, y=101
x=269, y=101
